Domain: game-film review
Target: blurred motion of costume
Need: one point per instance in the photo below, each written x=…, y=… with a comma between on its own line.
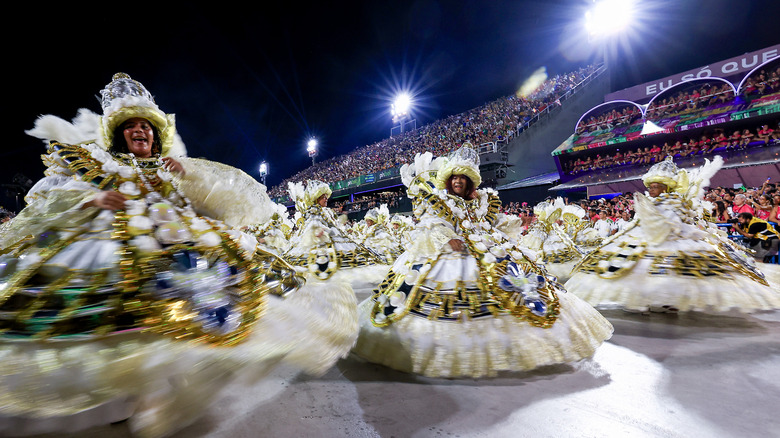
x=670, y=258
x=147, y=312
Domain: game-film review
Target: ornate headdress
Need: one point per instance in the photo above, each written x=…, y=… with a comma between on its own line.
x=464, y=161
x=665, y=172
x=306, y=196
x=549, y=212
x=124, y=98
x=378, y=214
x=400, y=219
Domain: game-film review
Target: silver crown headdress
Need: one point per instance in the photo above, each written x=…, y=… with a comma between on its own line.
x=464, y=161
x=124, y=98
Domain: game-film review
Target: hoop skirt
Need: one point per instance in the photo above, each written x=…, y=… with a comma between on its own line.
x=665, y=259
x=442, y=313
x=146, y=312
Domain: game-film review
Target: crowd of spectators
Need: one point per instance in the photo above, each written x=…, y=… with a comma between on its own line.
x=709, y=143
x=762, y=202
x=611, y=214
x=495, y=121
x=365, y=202
x=759, y=89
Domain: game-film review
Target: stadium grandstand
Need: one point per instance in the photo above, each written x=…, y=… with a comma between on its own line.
x=370, y=175
x=731, y=109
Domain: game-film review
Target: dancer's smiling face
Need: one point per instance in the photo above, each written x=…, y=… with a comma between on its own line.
x=139, y=136
x=459, y=184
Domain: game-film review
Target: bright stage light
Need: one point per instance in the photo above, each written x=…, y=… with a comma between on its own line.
x=608, y=17
x=263, y=169
x=401, y=105
x=312, y=145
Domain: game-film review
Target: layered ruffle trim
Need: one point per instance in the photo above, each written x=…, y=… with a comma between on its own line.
x=641, y=290
x=481, y=347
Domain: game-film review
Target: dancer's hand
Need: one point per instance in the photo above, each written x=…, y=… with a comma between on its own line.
x=108, y=200
x=457, y=245
x=172, y=165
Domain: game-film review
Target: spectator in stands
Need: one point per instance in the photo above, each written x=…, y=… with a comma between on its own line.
x=625, y=218
x=763, y=209
x=604, y=225
x=741, y=205
x=720, y=140
x=747, y=137
x=720, y=213
x=734, y=140
x=656, y=154
x=765, y=133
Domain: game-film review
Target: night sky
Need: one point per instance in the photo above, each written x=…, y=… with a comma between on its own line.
x=254, y=84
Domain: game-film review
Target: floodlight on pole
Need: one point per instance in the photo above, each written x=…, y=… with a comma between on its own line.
x=401, y=105
x=400, y=109
x=311, y=148
x=263, y=171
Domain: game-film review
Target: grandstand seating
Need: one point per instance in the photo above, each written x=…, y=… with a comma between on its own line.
x=485, y=127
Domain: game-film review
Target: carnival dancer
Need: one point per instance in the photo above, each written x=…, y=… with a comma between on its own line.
x=322, y=248
x=574, y=220
x=400, y=228
x=274, y=234
x=463, y=300
x=121, y=300
x=547, y=237
x=670, y=259
x=377, y=237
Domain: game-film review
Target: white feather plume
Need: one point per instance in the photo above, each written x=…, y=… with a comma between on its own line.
x=297, y=191
x=700, y=178
x=83, y=128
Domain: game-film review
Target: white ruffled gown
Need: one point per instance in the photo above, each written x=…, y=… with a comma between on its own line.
x=441, y=313
x=147, y=313
x=667, y=261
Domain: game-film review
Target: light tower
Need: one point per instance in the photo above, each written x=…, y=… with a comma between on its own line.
x=263, y=171
x=605, y=22
x=311, y=148
x=400, y=109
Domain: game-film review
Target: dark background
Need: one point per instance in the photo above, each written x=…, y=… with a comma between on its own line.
x=249, y=82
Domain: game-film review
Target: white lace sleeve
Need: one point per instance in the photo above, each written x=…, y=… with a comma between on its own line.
x=56, y=201
x=224, y=192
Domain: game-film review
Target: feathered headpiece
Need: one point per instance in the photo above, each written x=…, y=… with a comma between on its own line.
x=665, y=172
x=464, y=161
x=306, y=196
x=122, y=99
x=378, y=214
x=549, y=212
x=689, y=184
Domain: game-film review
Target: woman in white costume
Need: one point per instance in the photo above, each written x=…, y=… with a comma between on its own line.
x=464, y=301
x=670, y=259
x=274, y=235
x=579, y=227
x=549, y=239
x=400, y=228
x=319, y=245
x=377, y=237
x=121, y=299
